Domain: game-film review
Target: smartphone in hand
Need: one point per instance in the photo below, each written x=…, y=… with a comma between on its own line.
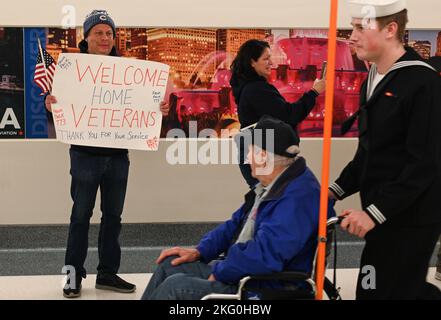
x=324, y=69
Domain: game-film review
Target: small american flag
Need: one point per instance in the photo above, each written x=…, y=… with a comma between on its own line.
x=43, y=78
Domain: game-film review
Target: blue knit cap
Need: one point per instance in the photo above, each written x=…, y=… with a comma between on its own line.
x=98, y=17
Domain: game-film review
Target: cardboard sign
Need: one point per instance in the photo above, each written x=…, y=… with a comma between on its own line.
x=108, y=101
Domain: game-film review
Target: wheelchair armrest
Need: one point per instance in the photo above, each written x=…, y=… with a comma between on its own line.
x=283, y=276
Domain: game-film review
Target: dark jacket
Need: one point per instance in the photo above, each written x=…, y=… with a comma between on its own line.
x=285, y=235
x=397, y=166
x=255, y=97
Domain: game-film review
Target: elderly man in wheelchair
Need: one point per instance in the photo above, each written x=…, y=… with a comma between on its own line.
x=273, y=235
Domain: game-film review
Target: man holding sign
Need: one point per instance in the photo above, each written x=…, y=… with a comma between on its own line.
x=98, y=164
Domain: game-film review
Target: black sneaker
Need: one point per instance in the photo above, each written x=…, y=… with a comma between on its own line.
x=108, y=281
x=69, y=292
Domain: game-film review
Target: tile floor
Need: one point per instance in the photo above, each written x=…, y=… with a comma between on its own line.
x=50, y=287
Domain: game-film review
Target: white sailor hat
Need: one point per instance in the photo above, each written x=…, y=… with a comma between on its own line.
x=375, y=8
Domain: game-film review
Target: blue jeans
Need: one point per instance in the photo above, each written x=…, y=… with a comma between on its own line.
x=187, y=281
x=90, y=172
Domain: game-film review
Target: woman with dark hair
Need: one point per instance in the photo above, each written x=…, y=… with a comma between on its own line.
x=256, y=97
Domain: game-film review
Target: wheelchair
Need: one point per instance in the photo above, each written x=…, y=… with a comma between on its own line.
x=305, y=291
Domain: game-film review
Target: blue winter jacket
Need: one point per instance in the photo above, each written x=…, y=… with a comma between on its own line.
x=285, y=235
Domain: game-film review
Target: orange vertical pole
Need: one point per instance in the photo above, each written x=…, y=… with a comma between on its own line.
x=327, y=135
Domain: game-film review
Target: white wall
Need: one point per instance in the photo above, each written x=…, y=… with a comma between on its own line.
x=35, y=182
x=34, y=178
